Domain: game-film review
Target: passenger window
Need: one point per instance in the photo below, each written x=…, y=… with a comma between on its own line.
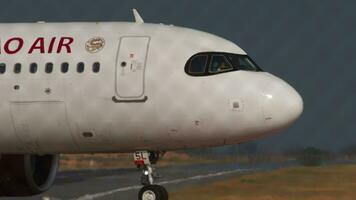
x=17, y=68
x=198, y=64
x=80, y=67
x=64, y=67
x=96, y=67
x=49, y=68
x=33, y=68
x=2, y=68
x=218, y=64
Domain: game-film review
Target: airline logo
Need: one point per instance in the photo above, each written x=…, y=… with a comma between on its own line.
x=41, y=45
x=95, y=44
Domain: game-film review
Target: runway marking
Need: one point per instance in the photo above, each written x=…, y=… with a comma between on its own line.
x=175, y=181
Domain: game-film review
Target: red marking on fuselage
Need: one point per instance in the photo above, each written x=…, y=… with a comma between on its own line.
x=39, y=45
x=16, y=49
x=51, y=44
x=65, y=42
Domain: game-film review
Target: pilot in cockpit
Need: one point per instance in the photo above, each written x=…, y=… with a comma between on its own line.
x=219, y=66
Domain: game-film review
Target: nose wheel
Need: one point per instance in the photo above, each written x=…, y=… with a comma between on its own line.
x=149, y=191
x=153, y=192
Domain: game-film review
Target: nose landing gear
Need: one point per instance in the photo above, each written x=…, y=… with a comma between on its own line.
x=149, y=191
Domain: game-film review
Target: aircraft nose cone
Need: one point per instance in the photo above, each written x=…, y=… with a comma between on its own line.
x=282, y=105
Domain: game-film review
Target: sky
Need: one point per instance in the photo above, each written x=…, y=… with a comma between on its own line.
x=309, y=43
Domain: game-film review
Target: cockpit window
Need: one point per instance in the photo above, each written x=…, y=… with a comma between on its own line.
x=211, y=63
x=198, y=64
x=218, y=63
x=243, y=62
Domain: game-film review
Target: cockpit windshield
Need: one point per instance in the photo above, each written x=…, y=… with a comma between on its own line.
x=219, y=63
x=243, y=62
x=210, y=63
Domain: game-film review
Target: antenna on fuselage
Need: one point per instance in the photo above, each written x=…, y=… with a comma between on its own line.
x=137, y=16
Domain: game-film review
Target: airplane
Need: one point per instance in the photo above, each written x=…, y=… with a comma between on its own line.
x=134, y=87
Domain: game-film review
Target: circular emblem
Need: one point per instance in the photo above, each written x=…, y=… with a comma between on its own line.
x=95, y=44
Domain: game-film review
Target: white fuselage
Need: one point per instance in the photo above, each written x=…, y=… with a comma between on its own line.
x=140, y=99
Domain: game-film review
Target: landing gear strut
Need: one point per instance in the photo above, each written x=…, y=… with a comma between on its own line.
x=149, y=191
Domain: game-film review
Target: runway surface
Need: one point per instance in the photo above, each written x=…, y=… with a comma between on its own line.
x=125, y=183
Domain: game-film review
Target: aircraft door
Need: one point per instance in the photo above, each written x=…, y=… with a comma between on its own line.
x=130, y=68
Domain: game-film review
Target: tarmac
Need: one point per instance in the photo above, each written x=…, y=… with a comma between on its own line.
x=125, y=183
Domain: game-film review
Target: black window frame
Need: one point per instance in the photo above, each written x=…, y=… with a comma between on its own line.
x=2, y=68
x=49, y=67
x=232, y=68
x=96, y=67
x=17, y=68
x=80, y=67
x=65, y=67
x=33, y=68
x=207, y=67
x=258, y=69
x=190, y=64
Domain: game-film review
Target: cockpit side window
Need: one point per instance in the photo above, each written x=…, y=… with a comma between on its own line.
x=218, y=63
x=243, y=62
x=198, y=64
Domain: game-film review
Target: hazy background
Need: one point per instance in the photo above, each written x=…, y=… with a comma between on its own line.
x=311, y=44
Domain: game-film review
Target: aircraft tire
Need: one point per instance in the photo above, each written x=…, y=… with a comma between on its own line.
x=153, y=192
x=164, y=192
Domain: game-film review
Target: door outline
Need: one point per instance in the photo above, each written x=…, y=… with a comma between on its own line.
x=131, y=98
